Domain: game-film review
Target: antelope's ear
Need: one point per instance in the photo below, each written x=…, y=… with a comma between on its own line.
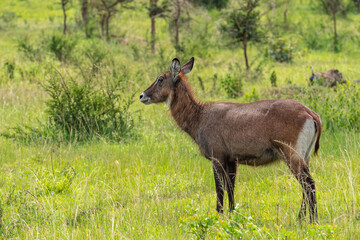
x=187, y=67
x=175, y=68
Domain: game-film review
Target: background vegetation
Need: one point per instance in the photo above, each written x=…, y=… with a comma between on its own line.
x=81, y=157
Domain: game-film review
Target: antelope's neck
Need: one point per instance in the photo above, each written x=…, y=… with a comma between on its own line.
x=185, y=108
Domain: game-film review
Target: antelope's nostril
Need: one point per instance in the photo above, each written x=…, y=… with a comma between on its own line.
x=141, y=96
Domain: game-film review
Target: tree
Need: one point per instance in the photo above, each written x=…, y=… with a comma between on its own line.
x=332, y=8
x=286, y=9
x=178, y=7
x=242, y=24
x=63, y=6
x=106, y=9
x=84, y=14
x=156, y=10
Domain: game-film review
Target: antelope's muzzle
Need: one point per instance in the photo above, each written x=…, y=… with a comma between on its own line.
x=145, y=99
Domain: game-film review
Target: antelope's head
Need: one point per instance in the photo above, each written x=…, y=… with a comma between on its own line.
x=165, y=84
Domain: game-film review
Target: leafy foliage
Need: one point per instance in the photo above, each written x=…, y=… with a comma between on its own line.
x=89, y=107
x=273, y=79
x=10, y=68
x=30, y=51
x=281, y=49
x=219, y=4
x=232, y=83
x=61, y=46
x=242, y=23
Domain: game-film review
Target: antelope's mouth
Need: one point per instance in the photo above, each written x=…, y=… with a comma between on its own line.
x=145, y=99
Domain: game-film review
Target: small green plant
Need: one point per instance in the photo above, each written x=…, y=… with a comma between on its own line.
x=273, y=79
x=8, y=18
x=32, y=53
x=10, y=69
x=280, y=49
x=232, y=82
x=232, y=85
x=236, y=225
x=96, y=54
x=54, y=181
x=322, y=232
x=61, y=46
x=252, y=97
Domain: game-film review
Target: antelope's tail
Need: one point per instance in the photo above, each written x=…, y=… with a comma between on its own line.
x=317, y=121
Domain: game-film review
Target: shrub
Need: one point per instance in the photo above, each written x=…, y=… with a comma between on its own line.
x=237, y=225
x=53, y=182
x=96, y=54
x=311, y=39
x=273, y=79
x=89, y=106
x=280, y=49
x=8, y=18
x=61, y=46
x=212, y=3
x=10, y=69
x=232, y=85
x=356, y=4
x=252, y=97
x=30, y=52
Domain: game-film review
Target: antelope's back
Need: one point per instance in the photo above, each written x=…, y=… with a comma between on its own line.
x=250, y=128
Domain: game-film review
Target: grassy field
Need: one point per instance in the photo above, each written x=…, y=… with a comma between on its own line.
x=157, y=185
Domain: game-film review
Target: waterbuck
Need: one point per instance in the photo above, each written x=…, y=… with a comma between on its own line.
x=230, y=133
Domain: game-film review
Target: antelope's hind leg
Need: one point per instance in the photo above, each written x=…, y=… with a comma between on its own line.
x=219, y=175
x=301, y=172
x=230, y=183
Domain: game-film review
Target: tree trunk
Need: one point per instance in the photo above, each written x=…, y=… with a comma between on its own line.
x=153, y=27
x=335, y=32
x=153, y=34
x=84, y=15
x=84, y=11
x=107, y=25
x=102, y=22
x=245, y=51
x=285, y=14
x=63, y=4
x=178, y=13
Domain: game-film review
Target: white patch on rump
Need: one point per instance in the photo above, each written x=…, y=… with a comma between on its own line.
x=306, y=140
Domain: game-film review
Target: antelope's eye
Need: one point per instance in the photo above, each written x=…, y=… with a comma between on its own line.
x=160, y=80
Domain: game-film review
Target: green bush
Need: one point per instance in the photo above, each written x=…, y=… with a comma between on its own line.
x=8, y=18
x=237, y=225
x=232, y=85
x=90, y=106
x=252, y=97
x=240, y=225
x=61, y=46
x=32, y=53
x=273, y=79
x=10, y=69
x=96, y=54
x=55, y=181
x=280, y=49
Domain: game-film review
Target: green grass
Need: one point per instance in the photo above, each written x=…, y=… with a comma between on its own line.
x=154, y=186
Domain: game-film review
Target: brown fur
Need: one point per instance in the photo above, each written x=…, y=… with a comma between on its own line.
x=230, y=133
x=332, y=77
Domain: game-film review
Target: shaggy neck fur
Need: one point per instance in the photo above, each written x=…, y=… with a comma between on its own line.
x=185, y=108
